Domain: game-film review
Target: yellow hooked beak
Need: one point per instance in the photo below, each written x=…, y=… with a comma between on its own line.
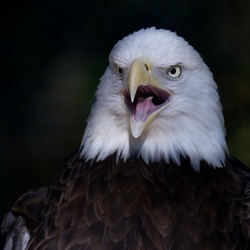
x=139, y=74
x=145, y=97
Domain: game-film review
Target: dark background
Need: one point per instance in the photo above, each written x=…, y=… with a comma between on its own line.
x=54, y=52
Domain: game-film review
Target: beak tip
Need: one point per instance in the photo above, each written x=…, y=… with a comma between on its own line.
x=132, y=94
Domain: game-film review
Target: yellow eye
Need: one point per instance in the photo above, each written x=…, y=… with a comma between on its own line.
x=174, y=71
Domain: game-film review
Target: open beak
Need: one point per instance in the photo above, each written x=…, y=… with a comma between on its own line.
x=144, y=96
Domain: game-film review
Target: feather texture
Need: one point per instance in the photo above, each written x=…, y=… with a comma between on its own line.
x=132, y=205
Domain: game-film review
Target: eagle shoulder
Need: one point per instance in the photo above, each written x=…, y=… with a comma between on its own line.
x=244, y=199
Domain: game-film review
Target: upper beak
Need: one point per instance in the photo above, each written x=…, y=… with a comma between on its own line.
x=139, y=74
x=144, y=97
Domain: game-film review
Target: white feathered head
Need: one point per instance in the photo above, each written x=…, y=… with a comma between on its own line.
x=156, y=100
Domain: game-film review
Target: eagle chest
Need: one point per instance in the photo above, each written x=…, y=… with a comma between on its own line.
x=132, y=205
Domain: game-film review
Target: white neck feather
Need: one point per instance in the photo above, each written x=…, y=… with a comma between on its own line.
x=166, y=138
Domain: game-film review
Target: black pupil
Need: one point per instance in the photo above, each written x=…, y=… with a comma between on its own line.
x=120, y=70
x=173, y=71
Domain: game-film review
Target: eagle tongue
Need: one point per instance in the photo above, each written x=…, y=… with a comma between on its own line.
x=143, y=109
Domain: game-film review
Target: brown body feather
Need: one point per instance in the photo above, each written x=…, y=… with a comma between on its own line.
x=132, y=205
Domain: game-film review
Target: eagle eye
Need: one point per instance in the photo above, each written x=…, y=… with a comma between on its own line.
x=118, y=71
x=174, y=71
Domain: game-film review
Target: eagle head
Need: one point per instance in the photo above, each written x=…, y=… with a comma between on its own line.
x=157, y=100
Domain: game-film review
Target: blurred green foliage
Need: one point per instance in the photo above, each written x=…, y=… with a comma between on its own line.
x=54, y=52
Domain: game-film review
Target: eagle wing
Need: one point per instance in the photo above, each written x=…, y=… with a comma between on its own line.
x=22, y=218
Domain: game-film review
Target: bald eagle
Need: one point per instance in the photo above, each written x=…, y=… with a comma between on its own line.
x=153, y=170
